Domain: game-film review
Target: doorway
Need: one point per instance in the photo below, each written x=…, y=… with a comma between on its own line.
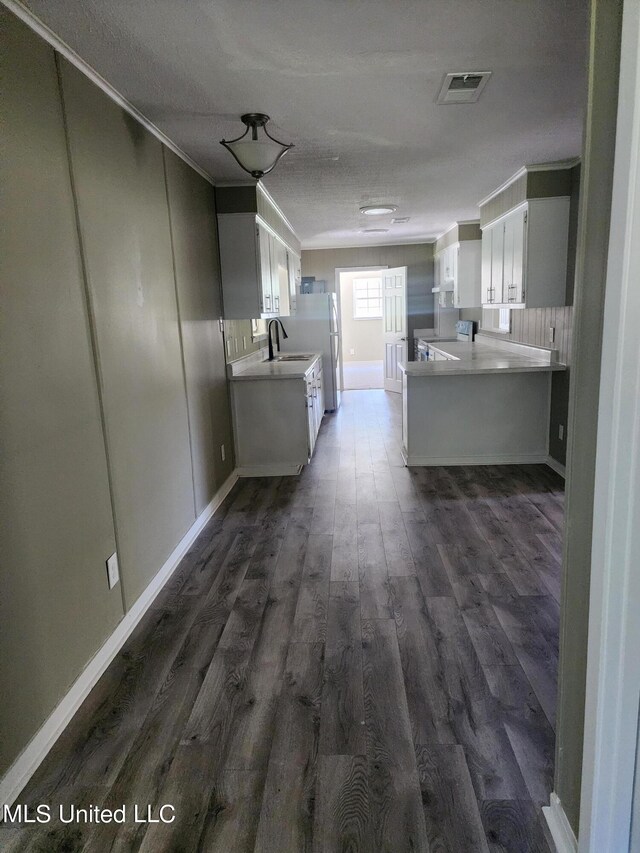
x=360, y=293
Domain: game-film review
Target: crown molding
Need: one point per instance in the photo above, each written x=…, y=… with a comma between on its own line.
x=534, y=167
x=40, y=28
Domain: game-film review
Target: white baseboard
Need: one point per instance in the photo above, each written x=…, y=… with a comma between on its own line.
x=25, y=765
x=497, y=459
x=559, y=826
x=268, y=470
x=558, y=467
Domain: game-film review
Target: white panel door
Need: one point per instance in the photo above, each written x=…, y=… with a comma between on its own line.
x=394, y=324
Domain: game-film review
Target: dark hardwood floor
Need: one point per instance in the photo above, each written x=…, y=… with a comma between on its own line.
x=362, y=658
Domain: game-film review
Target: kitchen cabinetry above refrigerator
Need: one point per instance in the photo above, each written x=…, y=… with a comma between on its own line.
x=259, y=272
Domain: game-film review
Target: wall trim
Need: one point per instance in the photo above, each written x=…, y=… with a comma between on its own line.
x=274, y=204
x=39, y=27
x=559, y=827
x=427, y=241
x=612, y=690
x=25, y=765
x=495, y=459
x=559, y=165
x=264, y=224
x=558, y=467
x=268, y=470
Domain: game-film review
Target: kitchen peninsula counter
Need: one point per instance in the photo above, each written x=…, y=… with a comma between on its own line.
x=481, y=403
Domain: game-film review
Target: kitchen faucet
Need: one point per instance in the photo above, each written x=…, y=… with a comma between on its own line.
x=279, y=326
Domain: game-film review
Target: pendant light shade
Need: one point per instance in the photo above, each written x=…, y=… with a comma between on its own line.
x=256, y=154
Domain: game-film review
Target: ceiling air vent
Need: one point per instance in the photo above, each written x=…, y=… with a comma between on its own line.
x=463, y=87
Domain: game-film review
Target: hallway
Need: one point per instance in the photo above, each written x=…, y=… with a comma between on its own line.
x=362, y=658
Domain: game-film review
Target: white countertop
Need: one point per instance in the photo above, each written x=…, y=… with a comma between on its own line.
x=485, y=356
x=276, y=369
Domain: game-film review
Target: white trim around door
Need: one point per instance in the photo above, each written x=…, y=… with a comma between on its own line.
x=613, y=671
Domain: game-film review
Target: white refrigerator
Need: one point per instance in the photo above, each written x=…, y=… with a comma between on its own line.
x=315, y=328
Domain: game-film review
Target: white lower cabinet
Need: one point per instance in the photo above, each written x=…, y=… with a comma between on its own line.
x=276, y=422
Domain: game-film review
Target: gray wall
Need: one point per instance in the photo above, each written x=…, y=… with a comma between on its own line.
x=418, y=258
x=113, y=391
x=195, y=251
x=591, y=260
x=118, y=173
x=56, y=528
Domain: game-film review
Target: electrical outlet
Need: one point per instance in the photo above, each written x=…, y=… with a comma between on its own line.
x=113, y=572
x=352, y=351
x=552, y=334
x=561, y=432
x=222, y=452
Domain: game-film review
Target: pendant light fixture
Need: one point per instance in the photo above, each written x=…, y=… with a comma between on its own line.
x=256, y=154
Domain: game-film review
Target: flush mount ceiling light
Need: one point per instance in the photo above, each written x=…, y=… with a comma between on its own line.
x=378, y=209
x=256, y=154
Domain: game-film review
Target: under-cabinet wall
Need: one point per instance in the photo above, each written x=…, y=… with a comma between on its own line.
x=114, y=392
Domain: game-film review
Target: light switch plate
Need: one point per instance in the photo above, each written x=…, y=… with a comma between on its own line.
x=113, y=572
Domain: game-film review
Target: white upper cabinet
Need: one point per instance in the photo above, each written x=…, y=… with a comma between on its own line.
x=294, y=266
x=457, y=269
x=466, y=283
x=254, y=268
x=524, y=256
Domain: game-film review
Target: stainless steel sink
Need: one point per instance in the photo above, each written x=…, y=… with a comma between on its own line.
x=293, y=357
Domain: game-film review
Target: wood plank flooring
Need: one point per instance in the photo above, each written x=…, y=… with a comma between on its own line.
x=362, y=658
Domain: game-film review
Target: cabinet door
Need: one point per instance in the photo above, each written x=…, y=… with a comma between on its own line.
x=437, y=269
x=264, y=243
x=507, y=261
x=487, y=239
x=447, y=271
x=519, y=242
x=497, y=264
x=281, y=281
x=319, y=401
x=311, y=419
x=293, y=290
x=468, y=271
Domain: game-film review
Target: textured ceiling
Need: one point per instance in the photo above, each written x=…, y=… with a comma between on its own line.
x=352, y=79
